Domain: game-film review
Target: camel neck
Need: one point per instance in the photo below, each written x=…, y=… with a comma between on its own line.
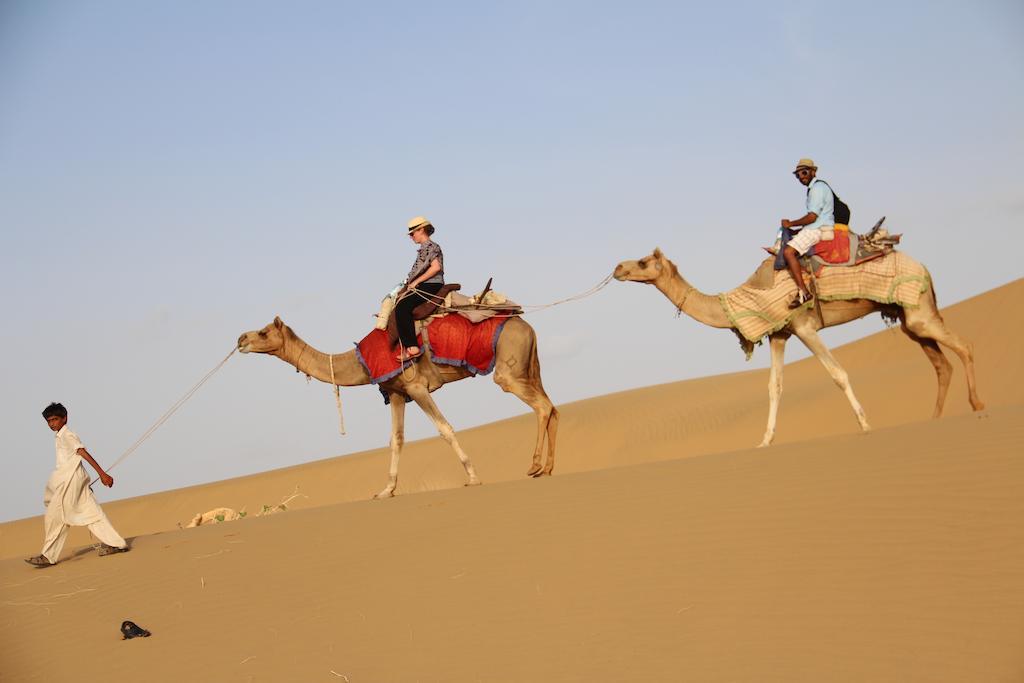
x=345, y=368
x=704, y=308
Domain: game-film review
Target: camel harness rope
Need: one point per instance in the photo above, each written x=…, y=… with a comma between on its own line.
x=337, y=397
x=526, y=308
x=166, y=416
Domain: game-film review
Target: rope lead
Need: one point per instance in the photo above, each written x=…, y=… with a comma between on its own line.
x=166, y=416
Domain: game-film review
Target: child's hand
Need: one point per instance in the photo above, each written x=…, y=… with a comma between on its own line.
x=106, y=480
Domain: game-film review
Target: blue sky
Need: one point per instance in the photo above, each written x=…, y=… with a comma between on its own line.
x=175, y=173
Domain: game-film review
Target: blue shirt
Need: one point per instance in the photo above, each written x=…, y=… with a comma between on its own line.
x=821, y=202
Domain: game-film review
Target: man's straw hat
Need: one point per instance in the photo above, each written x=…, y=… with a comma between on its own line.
x=806, y=163
x=418, y=222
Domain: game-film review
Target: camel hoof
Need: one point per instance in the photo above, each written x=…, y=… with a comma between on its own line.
x=476, y=482
x=764, y=444
x=383, y=495
x=533, y=471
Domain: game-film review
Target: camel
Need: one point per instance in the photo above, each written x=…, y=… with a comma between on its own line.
x=923, y=325
x=516, y=370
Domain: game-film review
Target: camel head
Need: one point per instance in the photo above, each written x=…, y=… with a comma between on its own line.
x=270, y=339
x=645, y=270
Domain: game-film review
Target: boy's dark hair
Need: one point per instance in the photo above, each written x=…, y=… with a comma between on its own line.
x=55, y=410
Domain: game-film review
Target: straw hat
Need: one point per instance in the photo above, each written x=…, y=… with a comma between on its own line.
x=805, y=163
x=419, y=222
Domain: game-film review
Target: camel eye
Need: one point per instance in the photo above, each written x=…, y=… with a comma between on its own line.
x=643, y=263
x=263, y=334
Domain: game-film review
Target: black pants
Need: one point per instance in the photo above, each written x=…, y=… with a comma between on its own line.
x=403, y=312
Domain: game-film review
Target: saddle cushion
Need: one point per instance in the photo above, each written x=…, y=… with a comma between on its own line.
x=447, y=340
x=378, y=355
x=892, y=278
x=454, y=340
x=835, y=250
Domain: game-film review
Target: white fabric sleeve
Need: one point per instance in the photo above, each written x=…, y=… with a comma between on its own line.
x=73, y=442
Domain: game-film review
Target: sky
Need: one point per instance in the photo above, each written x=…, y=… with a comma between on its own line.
x=173, y=174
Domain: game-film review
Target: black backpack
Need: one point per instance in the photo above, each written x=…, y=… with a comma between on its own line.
x=840, y=209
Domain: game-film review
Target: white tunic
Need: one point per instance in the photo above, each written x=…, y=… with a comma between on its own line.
x=68, y=498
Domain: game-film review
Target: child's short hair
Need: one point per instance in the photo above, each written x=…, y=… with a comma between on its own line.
x=55, y=410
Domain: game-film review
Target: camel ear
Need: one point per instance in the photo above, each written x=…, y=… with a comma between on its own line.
x=277, y=322
x=657, y=252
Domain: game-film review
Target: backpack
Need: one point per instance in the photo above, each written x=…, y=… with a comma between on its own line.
x=840, y=209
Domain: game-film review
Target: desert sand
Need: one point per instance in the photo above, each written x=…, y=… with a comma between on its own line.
x=665, y=548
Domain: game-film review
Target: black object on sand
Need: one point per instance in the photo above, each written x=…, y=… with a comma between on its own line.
x=130, y=629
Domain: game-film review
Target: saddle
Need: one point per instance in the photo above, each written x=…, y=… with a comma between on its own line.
x=421, y=312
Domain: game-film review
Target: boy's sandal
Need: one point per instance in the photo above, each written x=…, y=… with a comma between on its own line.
x=39, y=561
x=402, y=357
x=110, y=550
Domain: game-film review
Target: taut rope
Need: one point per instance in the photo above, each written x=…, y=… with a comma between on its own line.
x=166, y=416
x=526, y=308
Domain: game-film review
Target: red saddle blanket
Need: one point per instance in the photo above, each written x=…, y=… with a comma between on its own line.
x=451, y=340
x=836, y=250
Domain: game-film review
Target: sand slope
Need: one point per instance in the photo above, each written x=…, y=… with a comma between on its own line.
x=896, y=556
x=664, y=549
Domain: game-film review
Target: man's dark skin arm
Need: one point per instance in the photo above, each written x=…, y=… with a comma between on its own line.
x=800, y=222
x=105, y=478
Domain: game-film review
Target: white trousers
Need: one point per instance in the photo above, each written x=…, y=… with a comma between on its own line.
x=57, y=533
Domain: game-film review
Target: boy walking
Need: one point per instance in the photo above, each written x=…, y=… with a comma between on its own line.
x=68, y=498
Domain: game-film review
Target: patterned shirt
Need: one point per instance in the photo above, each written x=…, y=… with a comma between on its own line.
x=428, y=252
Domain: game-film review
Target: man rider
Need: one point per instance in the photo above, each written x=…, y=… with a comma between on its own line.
x=816, y=225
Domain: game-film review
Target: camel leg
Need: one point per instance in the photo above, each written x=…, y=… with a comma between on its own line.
x=943, y=370
x=777, y=344
x=925, y=322
x=397, y=440
x=805, y=330
x=532, y=394
x=444, y=428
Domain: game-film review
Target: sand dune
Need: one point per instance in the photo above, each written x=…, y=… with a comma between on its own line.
x=663, y=549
